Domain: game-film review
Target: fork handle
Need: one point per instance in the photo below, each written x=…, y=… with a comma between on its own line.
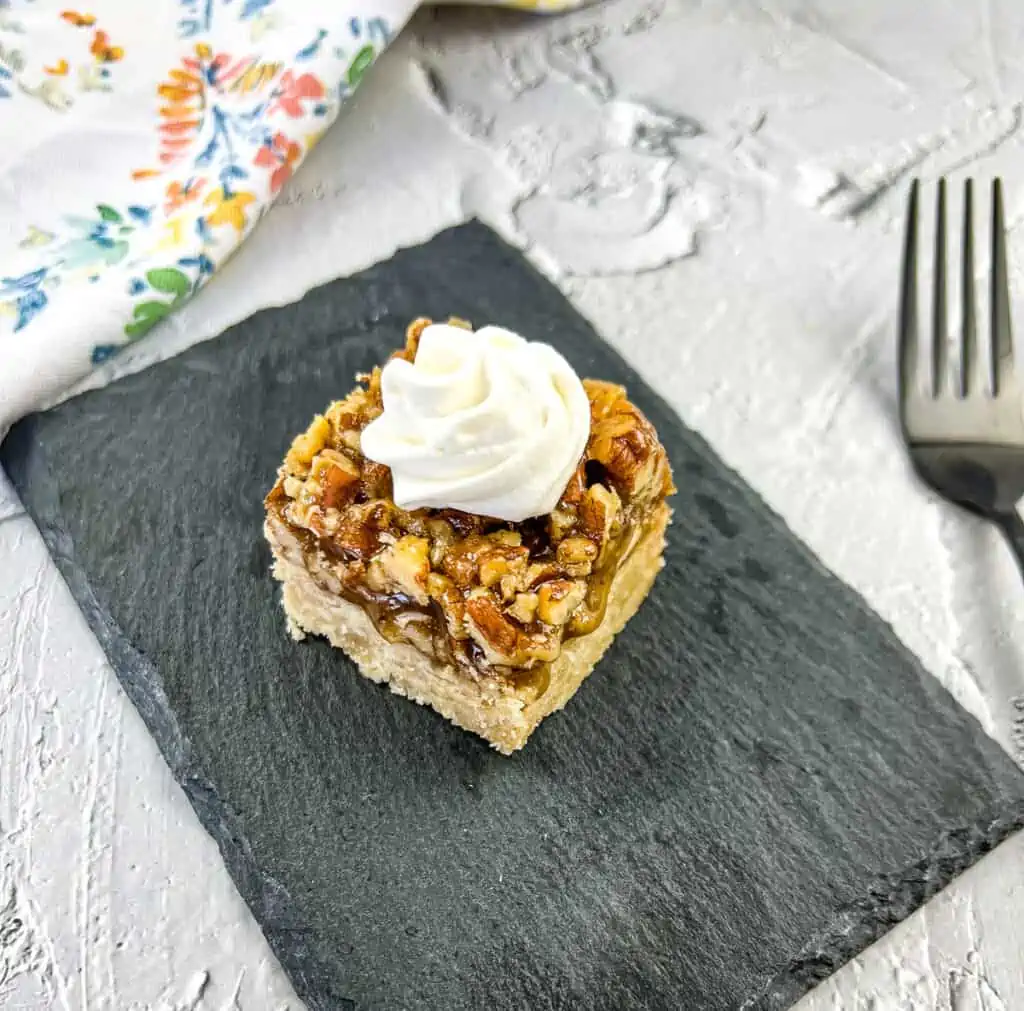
x=1012, y=527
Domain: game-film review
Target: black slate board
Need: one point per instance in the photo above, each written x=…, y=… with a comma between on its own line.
x=758, y=781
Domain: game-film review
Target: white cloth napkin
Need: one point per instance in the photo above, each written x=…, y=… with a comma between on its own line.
x=140, y=143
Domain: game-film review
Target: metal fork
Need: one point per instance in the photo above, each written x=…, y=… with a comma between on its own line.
x=965, y=432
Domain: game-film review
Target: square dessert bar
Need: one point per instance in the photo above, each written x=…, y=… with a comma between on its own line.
x=492, y=623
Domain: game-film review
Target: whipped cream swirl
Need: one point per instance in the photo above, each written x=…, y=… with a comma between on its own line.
x=484, y=422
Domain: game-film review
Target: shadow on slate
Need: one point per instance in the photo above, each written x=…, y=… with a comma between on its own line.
x=758, y=781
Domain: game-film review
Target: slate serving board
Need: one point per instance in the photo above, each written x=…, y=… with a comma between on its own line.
x=758, y=781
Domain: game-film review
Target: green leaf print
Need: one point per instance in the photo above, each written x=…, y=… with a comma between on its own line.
x=146, y=315
x=107, y=213
x=359, y=65
x=169, y=280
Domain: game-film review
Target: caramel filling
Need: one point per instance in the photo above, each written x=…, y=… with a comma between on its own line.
x=398, y=618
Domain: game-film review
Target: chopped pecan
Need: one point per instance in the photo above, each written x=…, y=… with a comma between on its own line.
x=403, y=566
x=358, y=532
x=305, y=446
x=625, y=443
x=505, y=538
x=462, y=523
x=442, y=537
x=599, y=513
x=603, y=396
x=376, y=480
x=412, y=339
x=560, y=523
x=451, y=601
x=575, y=488
x=557, y=600
x=505, y=565
x=337, y=476
x=462, y=561
x=544, y=645
x=524, y=607
x=491, y=630
x=540, y=572
x=577, y=555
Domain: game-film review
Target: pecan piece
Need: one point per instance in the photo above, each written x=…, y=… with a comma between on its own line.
x=305, y=446
x=337, y=476
x=599, y=513
x=625, y=443
x=412, y=339
x=462, y=561
x=524, y=607
x=577, y=555
x=444, y=591
x=557, y=600
x=490, y=629
x=405, y=566
x=505, y=565
x=575, y=488
x=357, y=536
x=561, y=523
x=376, y=480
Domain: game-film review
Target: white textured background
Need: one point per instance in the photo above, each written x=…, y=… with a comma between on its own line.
x=719, y=187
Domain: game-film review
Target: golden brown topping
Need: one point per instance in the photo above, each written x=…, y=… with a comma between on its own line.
x=540, y=572
x=305, y=446
x=515, y=590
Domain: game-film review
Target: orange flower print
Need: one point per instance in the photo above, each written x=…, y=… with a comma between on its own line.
x=179, y=194
x=78, y=20
x=182, y=111
x=59, y=69
x=292, y=90
x=282, y=153
x=102, y=50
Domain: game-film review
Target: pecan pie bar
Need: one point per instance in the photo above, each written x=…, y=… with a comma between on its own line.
x=492, y=622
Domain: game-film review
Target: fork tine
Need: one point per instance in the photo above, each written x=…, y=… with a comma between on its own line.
x=972, y=370
x=908, y=355
x=1002, y=338
x=940, y=341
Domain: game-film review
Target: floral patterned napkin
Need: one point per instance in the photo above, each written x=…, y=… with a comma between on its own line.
x=140, y=143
